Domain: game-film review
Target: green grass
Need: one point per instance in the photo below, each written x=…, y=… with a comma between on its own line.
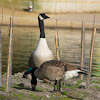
x=64, y=93
x=73, y=86
x=3, y=97
x=59, y=97
x=19, y=95
x=35, y=97
x=40, y=89
x=98, y=87
x=94, y=82
x=2, y=88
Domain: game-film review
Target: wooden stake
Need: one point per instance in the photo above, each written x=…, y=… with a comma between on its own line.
x=94, y=21
x=91, y=58
x=9, y=70
x=2, y=18
x=0, y=59
x=57, y=43
x=13, y=17
x=1, y=51
x=82, y=47
x=57, y=47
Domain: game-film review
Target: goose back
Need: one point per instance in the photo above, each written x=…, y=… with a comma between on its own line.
x=51, y=70
x=56, y=70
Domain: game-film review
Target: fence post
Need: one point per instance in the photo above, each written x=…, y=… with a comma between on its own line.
x=57, y=52
x=9, y=70
x=1, y=51
x=82, y=47
x=91, y=58
x=0, y=58
x=57, y=43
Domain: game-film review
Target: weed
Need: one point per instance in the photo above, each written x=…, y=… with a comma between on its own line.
x=97, y=87
x=2, y=88
x=64, y=92
x=65, y=98
x=40, y=89
x=94, y=82
x=19, y=95
x=35, y=97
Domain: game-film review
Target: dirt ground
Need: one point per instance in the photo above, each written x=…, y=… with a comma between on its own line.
x=73, y=89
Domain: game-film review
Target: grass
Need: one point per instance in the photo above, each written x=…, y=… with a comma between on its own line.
x=19, y=95
x=18, y=87
x=2, y=88
x=94, y=82
x=35, y=97
x=98, y=87
x=72, y=86
x=40, y=89
x=10, y=97
x=64, y=93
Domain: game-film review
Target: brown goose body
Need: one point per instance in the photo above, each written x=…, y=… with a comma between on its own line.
x=56, y=70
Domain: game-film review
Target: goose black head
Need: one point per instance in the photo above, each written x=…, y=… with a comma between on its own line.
x=42, y=16
x=27, y=74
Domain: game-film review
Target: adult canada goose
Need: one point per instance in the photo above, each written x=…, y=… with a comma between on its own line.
x=54, y=70
x=42, y=53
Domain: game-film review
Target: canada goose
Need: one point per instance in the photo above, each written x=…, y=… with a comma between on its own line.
x=54, y=70
x=42, y=53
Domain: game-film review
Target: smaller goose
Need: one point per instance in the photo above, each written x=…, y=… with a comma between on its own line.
x=54, y=70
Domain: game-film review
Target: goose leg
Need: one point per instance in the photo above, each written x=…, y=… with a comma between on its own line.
x=55, y=85
x=59, y=85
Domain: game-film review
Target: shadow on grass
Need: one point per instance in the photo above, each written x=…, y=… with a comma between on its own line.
x=25, y=88
x=71, y=97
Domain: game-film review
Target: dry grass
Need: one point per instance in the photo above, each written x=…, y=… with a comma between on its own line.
x=21, y=17
x=68, y=20
x=26, y=18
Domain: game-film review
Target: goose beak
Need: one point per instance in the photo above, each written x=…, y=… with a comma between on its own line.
x=45, y=17
x=83, y=73
x=24, y=75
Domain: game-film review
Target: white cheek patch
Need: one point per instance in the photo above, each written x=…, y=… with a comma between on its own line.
x=41, y=18
x=29, y=76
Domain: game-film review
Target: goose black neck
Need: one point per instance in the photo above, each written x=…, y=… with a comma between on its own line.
x=41, y=26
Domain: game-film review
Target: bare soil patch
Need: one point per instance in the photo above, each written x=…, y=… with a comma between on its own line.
x=21, y=90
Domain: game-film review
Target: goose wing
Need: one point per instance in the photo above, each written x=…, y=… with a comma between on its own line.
x=69, y=67
x=52, y=70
